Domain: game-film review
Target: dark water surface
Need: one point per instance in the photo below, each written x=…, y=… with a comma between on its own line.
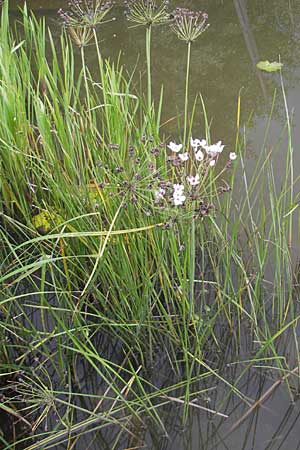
x=223, y=65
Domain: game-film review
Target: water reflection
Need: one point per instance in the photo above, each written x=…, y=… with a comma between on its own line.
x=241, y=12
x=273, y=425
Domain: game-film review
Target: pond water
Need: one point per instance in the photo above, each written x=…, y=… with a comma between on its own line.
x=242, y=32
x=274, y=425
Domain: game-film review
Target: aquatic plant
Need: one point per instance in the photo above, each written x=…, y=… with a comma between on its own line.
x=81, y=36
x=147, y=13
x=188, y=26
x=81, y=21
x=83, y=17
x=189, y=169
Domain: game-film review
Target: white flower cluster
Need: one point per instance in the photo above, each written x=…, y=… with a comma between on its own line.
x=178, y=195
x=199, y=147
x=212, y=150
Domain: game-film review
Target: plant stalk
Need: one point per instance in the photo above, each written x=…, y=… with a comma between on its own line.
x=186, y=100
x=192, y=264
x=148, y=56
x=85, y=81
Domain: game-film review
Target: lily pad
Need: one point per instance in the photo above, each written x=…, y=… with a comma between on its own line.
x=268, y=66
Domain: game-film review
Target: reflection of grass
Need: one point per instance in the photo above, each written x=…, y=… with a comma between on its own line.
x=87, y=255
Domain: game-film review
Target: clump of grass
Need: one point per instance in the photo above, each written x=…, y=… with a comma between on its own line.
x=103, y=186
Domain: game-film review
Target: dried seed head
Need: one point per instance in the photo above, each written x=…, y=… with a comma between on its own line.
x=188, y=25
x=147, y=12
x=85, y=13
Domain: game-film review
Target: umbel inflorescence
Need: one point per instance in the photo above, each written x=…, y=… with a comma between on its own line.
x=85, y=13
x=83, y=17
x=188, y=25
x=147, y=12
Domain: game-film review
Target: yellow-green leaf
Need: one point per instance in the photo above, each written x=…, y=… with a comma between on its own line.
x=268, y=66
x=45, y=220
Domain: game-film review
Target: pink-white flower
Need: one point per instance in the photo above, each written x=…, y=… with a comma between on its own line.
x=175, y=147
x=178, y=188
x=199, y=155
x=232, y=156
x=214, y=149
x=193, y=180
x=183, y=156
x=178, y=196
x=195, y=143
x=212, y=163
x=178, y=199
x=159, y=195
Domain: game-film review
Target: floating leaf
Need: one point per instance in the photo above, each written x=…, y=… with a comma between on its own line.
x=268, y=66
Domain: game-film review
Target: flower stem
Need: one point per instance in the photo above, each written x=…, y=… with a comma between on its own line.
x=192, y=227
x=148, y=56
x=102, y=76
x=192, y=264
x=186, y=101
x=98, y=49
x=85, y=81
